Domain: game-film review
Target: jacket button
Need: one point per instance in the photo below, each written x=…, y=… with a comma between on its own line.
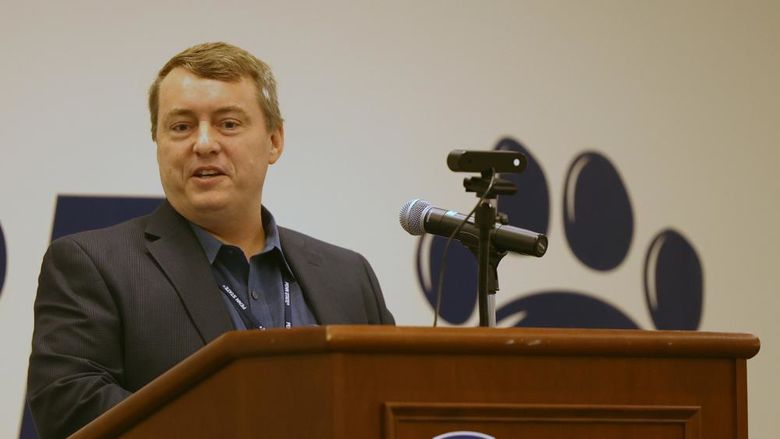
x=255, y=295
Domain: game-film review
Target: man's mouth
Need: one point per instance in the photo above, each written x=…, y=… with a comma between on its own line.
x=207, y=173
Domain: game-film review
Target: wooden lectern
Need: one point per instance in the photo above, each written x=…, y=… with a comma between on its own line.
x=401, y=383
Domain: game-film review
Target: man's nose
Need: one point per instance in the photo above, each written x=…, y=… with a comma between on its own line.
x=206, y=143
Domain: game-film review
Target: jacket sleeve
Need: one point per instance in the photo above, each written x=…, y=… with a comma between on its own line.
x=378, y=311
x=76, y=364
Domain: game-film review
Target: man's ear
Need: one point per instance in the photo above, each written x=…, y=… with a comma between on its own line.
x=277, y=145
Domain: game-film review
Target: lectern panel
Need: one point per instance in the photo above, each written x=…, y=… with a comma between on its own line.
x=425, y=421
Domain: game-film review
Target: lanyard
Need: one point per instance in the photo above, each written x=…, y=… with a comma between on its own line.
x=250, y=321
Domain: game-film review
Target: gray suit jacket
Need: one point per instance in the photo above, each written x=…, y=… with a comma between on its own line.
x=119, y=306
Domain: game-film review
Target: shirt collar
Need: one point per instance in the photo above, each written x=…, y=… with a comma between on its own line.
x=211, y=245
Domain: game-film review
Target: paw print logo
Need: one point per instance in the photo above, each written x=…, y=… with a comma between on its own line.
x=3, y=259
x=599, y=229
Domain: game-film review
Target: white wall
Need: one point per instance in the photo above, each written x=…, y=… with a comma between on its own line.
x=681, y=96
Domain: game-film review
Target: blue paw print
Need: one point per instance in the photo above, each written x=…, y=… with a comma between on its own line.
x=3, y=259
x=599, y=228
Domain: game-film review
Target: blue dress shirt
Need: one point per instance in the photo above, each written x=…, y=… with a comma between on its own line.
x=259, y=282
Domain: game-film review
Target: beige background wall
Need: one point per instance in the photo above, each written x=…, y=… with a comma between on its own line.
x=683, y=97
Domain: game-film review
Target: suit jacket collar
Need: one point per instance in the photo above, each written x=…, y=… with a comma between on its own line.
x=175, y=248
x=173, y=245
x=317, y=283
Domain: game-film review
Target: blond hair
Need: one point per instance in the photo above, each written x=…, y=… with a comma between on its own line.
x=224, y=62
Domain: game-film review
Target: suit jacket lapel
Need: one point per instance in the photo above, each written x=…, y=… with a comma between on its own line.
x=318, y=286
x=173, y=245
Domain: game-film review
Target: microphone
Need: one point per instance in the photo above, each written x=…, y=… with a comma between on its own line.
x=419, y=216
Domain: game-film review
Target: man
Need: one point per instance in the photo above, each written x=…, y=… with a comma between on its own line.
x=119, y=306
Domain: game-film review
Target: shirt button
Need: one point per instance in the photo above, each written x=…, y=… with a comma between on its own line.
x=255, y=295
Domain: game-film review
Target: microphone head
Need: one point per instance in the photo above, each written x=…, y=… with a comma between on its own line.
x=412, y=216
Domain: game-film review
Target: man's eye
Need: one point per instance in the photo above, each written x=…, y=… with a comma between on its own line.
x=180, y=127
x=230, y=124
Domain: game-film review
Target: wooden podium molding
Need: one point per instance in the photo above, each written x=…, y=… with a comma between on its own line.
x=408, y=383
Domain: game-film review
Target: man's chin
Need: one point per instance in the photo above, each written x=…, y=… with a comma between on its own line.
x=201, y=207
x=209, y=207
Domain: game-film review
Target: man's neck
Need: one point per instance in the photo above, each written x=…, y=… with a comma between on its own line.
x=247, y=233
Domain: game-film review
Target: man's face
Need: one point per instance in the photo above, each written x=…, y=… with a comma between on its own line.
x=213, y=147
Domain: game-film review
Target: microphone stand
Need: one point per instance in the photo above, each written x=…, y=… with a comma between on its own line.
x=488, y=256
